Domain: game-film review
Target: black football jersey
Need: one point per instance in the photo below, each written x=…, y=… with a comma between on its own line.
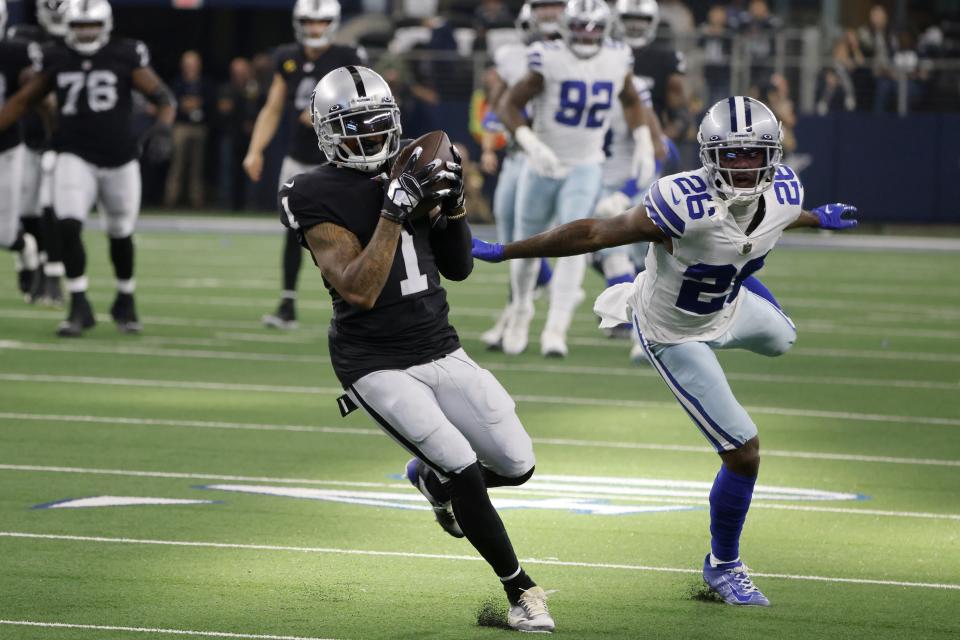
x=13, y=60
x=35, y=133
x=409, y=323
x=657, y=63
x=301, y=76
x=94, y=95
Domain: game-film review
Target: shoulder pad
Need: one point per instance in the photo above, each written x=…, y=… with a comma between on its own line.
x=675, y=202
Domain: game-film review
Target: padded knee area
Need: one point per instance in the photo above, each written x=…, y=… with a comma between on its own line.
x=496, y=480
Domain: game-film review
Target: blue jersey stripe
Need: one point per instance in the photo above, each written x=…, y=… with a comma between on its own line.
x=732, y=103
x=668, y=214
x=657, y=220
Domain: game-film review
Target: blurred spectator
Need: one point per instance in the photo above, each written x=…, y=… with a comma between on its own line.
x=679, y=20
x=238, y=105
x=775, y=93
x=758, y=29
x=879, y=45
x=490, y=14
x=189, y=132
x=715, y=43
x=915, y=70
x=835, y=87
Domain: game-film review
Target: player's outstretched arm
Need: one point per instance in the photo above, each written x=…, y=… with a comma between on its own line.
x=837, y=217
x=29, y=94
x=265, y=127
x=575, y=238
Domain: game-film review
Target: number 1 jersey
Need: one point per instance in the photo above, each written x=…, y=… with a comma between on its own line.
x=693, y=293
x=94, y=97
x=408, y=325
x=572, y=114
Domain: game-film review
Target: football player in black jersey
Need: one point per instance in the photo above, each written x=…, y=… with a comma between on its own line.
x=298, y=67
x=659, y=63
x=13, y=61
x=36, y=199
x=391, y=343
x=93, y=75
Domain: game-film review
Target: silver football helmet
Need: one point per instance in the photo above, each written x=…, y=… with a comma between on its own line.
x=735, y=133
x=584, y=25
x=89, y=24
x=545, y=17
x=307, y=11
x=639, y=20
x=356, y=119
x=50, y=16
x=524, y=24
x=3, y=19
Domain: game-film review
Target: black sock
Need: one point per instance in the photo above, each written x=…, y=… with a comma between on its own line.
x=480, y=522
x=292, y=259
x=121, y=254
x=74, y=255
x=51, y=236
x=493, y=479
x=516, y=585
x=32, y=226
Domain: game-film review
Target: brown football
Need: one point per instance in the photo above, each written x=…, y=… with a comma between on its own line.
x=435, y=145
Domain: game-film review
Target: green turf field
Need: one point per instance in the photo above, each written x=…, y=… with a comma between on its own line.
x=867, y=404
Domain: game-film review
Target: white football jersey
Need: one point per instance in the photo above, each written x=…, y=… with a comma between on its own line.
x=619, y=141
x=693, y=293
x=506, y=61
x=572, y=114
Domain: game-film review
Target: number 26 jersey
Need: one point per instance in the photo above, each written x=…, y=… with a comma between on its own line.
x=94, y=99
x=693, y=293
x=572, y=114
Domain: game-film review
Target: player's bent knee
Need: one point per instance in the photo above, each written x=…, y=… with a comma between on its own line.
x=779, y=344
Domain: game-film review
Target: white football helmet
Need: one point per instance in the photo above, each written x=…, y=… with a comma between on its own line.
x=356, y=119
x=735, y=128
x=89, y=24
x=3, y=19
x=584, y=25
x=50, y=16
x=639, y=20
x=524, y=24
x=307, y=11
x=545, y=17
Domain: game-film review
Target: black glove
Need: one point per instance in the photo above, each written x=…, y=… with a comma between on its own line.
x=451, y=198
x=159, y=144
x=405, y=191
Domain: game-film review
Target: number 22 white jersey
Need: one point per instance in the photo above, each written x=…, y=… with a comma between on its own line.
x=693, y=293
x=572, y=114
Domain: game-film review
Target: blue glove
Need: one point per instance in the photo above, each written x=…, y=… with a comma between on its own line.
x=831, y=216
x=487, y=251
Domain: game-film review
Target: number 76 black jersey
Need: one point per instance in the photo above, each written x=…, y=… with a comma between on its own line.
x=409, y=323
x=94, y=99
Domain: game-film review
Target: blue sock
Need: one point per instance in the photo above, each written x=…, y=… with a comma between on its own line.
x=729, y=502
x=545, y=274
x=627, y=277
x=754, y=285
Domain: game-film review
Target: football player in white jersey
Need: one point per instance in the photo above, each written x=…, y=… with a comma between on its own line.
x=711, y=229
x=536, y=20
x=570, y=87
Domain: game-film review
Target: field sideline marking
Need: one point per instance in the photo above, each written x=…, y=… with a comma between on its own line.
x=441, y=556
x=206, y=354
x=172, y=632
x=562, y=442
x=563, y=494
x=540, y=399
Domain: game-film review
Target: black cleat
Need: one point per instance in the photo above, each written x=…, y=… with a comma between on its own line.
x=285, y=317
x=28, y=281
x=80, y=318
x=124, y=313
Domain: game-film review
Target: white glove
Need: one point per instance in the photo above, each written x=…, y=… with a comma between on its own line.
x=541, y=157
x=613, y=205
x=644, y=166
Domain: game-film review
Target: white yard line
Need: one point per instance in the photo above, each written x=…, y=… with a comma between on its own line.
x=439, y=556
x=544, y=492
x=560, y=442
x=508, y=367
x=170, y=632
x=539, y=399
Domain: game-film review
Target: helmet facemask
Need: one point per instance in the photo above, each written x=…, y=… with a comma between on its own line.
x=545, y=17
x=585, y=38
x=638, y=30
x=314, y=33
x=50, y=15
x=363, y=137
x=741, y=170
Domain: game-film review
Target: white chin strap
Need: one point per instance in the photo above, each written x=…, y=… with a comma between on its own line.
x=88, y=48
x=585, y=50
x=316, y=43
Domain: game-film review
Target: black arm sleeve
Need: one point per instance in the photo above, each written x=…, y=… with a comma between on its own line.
x=451, y=242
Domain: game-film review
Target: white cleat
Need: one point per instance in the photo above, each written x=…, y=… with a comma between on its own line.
x=530, y=613
x=553, y=343
x=492, y=338
x=516, y=333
